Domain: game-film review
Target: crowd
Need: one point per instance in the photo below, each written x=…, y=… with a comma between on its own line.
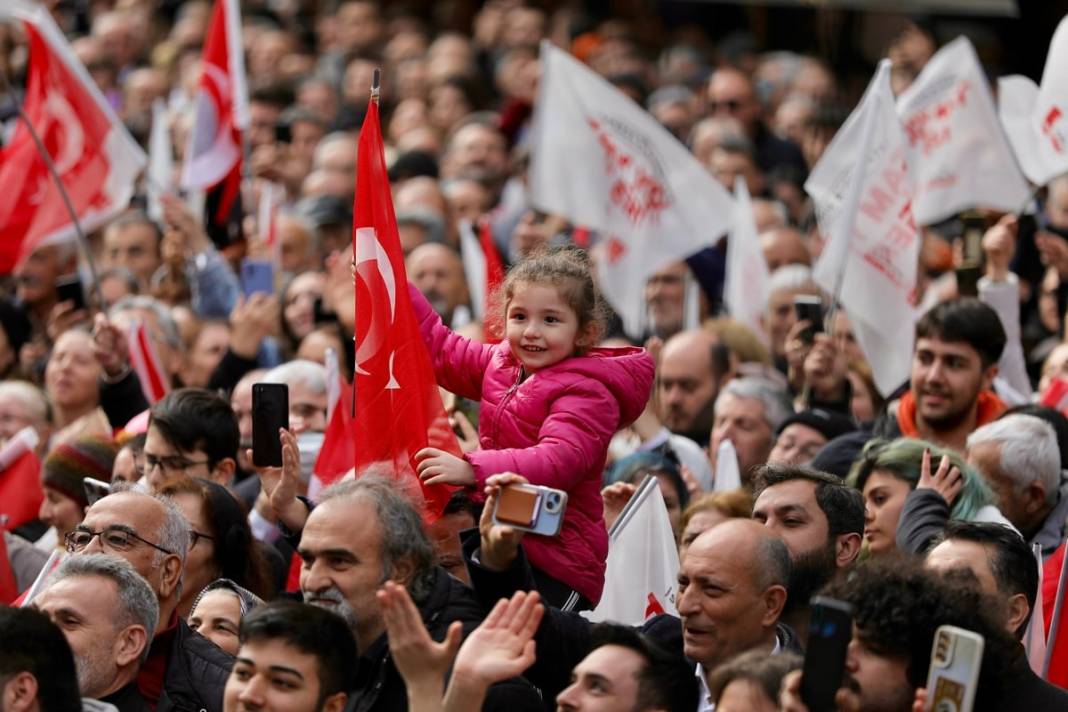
x=197, y=580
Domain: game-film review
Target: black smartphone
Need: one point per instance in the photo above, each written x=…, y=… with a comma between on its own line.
x=70, y=289
x=968, y=280
x=270, y=412
x=283, y=133
x=810, y=309
x=829, y=631
x=321, y=315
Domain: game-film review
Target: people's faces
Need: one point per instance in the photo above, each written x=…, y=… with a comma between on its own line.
x=200, y=566
x=797, y=444
x=139, y=514
x=790, y=510
x=946, y=379
x=884, y=496
x=686, y=387
x=60, y=511
x=1018, y=504
x=445, y=535
x=135, y=247
x=72, y=375
x=741, y=420
x=607, y=679
x=14, y=416
x=742, y=695
x=698, y=524
x=541, y=328
x=439, y=275
x=162, y=460
x=207, y=351
x=217, y=617
x=665, y=297
x=36, y=275
x=270, y=675
x=307, y=409
x=299, y=307
x=780, y=317
x=882, y=680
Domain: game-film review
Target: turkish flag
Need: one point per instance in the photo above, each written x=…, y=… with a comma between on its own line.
x=1053, y=593
x=398, y=406
x=213, y=155
x=338, y=453
x=20, y=490
x=93, y=154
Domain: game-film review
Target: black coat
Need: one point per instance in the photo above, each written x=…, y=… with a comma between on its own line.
x=128, y=699
x=380, y=687
x=196, y=674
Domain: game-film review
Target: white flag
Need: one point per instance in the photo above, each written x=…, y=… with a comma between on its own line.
x=728, y=474
x=746, y=286
x=641, y=578
x=160, y=160
x=601, y=161
x=1036, y=118
x=863, y=194
x=957, y=151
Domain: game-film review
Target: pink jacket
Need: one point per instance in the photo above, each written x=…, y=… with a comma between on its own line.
x=553, y=428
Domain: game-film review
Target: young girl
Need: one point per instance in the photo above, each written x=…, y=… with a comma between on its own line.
x=550, y=403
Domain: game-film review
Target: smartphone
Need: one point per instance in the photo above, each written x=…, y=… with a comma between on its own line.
x=810, y=309
x=968, y=280
x=320, y=315
x=974, y=226
x=534, y=509
x=283, y=133
x=956, y=657
x=70, y=289
x=257, y=276
x=95, y=489
x=270, y=412
x=829, y=631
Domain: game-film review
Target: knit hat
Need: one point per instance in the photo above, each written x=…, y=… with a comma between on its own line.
x=67, y=466
x=827, y=423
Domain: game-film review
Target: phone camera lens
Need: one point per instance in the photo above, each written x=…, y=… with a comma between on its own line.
x=553, y=503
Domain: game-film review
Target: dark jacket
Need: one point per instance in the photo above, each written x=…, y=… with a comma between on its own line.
x=563, y=638
x=122, y=400
x=379, y=686
x=196, y=674
x=128, y=699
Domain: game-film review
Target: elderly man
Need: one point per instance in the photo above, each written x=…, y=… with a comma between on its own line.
x=693, y=367
x=108, y=614
x=366, y=531
x=183, y=670
x=37, y=672
x=438, y=272
x=749, y=412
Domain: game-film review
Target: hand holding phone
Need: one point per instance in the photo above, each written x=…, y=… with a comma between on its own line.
x=809, y=308
x=531, y=508
x=70, y=289
x=270, y=413
x=257, y=276
x=956, y=657
x=829, y=632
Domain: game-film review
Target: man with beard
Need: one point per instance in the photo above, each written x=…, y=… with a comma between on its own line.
x=820, y=518
x=665, y=299
x=954, y=362
x=693, y=366
x=362, y=533
x=437, y=271
x=108, y=614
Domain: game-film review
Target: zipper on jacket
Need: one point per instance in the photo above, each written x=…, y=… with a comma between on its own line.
x=500, y=408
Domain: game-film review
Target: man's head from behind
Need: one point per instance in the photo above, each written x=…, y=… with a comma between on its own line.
x=999, y=559
x=820, y=518
x=108, y=614
x=37, y=671
x=732, y=588
x=193, y=432
x=364, y=532
x=958, y=344
x=293, y=658
x=625, y=670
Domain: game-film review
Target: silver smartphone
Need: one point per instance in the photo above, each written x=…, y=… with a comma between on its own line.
x=534, y=509
x=956, y=657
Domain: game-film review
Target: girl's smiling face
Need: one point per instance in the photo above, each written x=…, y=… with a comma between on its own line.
x=541, y=328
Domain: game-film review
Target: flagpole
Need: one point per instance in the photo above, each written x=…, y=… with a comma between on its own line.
x=79, y=235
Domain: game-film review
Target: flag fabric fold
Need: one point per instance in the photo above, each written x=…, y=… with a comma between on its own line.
x=160, y=174
x=601, y=161
x=146, y=364
x=94, y=155
x=398, y=406
x=863, y=193
x=746, y=287
x=20, y=480
x=956, y=146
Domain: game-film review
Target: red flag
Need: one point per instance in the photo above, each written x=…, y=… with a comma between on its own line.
x=9, y=589
x=92, y=152
x=338, y=453
x=20, y=490
x=1053, y=594
x=213, y=155
x=398, y=406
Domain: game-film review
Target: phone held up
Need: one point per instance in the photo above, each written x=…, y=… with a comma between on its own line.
x=270, y=413
x=829, y=632
x=531, y=508
x=956, y=657
x=809, y=308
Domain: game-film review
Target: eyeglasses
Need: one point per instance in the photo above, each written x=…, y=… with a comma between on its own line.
x=195, y=536
x=172, y=464
x=116, y=537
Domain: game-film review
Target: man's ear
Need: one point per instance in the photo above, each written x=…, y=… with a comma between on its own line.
x=403, y=572
x=223, y=473
x=335, y=703
x=130, y=644
x=170, y=575
x=774, y=598
x=988, y=377
x=1017, y=612
x=1035, y=497
x=19, y=693
x=846, y=549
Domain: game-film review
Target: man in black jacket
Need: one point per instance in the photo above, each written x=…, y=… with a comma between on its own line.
x=361, y=534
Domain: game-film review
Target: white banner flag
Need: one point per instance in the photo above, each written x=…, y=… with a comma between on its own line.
x=641, y=578
x=957, y=151
x=746, y=286
x=863, y=194
x=160, y=174
x=601, y=161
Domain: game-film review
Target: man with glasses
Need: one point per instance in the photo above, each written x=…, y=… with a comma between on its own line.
x=182, y=670
x=191, y=432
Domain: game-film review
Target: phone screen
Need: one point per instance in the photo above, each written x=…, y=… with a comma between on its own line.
x=270, y=412
x=69, y=289
x=257, y=276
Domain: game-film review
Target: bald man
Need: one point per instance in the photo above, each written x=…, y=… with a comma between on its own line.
x=784, y=246
x=693, y=367
x=438, y=272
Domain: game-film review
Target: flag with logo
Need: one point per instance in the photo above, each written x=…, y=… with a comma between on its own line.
x=1036, y=117
x=956, y=147
x=863, y=192
x=484, y=272
x=641, y=578
x=398, y=406
x=20, y=480
x=601, y=161
x=146, y=364
x=213, y=155
x=94, y=156
x=746, y=287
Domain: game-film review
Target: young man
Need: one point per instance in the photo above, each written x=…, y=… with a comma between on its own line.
x=36, y=667
x=191, y=432
x=293, y=658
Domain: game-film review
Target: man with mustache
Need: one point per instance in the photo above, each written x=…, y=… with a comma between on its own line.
x=437, y=271
x=954, y=362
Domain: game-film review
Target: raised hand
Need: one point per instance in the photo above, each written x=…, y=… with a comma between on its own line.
x=110, y=347
x=615, y=498
x=440, y=467
x=500, y=542
x=946, y=481
x=279, y=486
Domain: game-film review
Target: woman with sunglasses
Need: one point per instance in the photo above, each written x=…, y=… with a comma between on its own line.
x=221, y=544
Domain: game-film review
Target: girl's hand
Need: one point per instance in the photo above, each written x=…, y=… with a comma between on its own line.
x=420, y=661
x=947, y=481
x=439, y=467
